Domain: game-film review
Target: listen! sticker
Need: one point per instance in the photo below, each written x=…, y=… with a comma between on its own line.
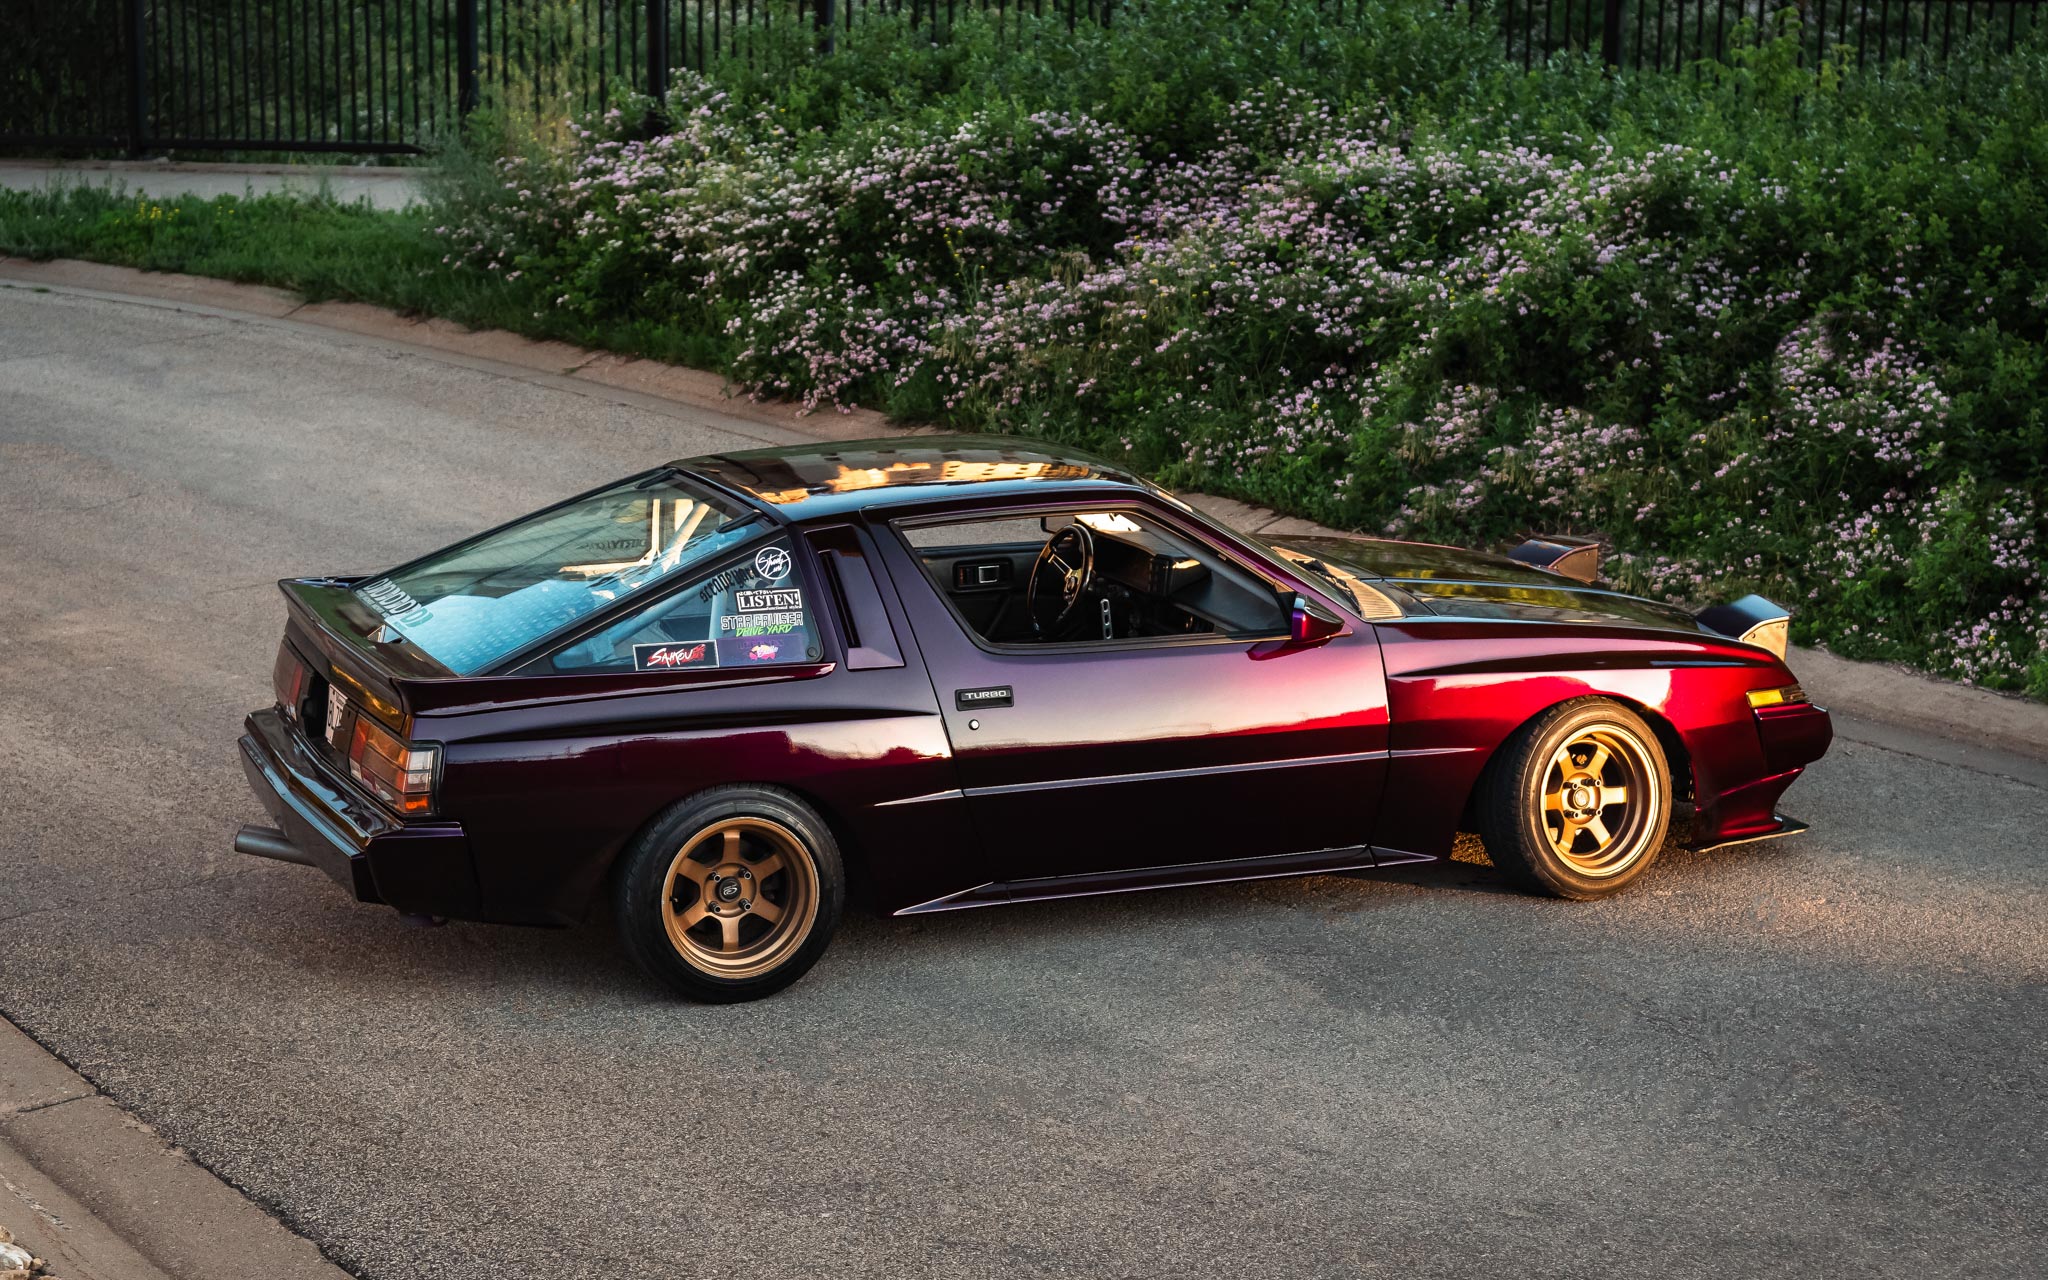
x=772, y=600
x=669, y=657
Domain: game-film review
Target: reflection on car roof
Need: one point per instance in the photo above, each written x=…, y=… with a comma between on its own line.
x=811, y=480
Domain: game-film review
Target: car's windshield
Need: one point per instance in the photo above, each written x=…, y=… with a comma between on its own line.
x=473, y=604
x=1368, y=599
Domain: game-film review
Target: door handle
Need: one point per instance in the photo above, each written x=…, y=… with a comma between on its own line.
x=981, y=575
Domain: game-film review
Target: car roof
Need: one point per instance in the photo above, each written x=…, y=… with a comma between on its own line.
x=806, y=482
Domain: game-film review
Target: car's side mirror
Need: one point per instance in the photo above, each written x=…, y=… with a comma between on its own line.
x=1313, y=624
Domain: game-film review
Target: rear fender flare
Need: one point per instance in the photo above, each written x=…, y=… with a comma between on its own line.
x=613, y=859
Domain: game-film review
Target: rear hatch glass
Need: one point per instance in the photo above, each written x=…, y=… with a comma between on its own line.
x=478, y=601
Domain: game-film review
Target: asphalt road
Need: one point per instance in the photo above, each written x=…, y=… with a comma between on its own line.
x=1819, y=1056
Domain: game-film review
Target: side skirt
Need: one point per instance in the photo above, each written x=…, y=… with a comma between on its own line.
x=1786, y=827
x=1322, y=861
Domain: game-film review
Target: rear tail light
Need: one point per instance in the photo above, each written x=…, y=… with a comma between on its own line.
x=394, y=770
x=288, y=680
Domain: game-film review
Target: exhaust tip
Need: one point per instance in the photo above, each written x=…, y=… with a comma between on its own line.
x=269, y=842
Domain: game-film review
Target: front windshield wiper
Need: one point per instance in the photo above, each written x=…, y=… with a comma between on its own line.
x=1334, y=577
x=1309, y=562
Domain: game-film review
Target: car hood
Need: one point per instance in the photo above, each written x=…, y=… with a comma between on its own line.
x=1454, y=582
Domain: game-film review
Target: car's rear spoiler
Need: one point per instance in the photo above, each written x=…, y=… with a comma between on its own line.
x=1561, y=554
x=327, y=617
x=1752, y=620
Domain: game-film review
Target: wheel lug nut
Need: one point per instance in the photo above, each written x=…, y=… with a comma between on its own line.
x=746, y=904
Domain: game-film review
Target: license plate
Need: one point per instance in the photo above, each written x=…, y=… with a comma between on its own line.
x=337, y=707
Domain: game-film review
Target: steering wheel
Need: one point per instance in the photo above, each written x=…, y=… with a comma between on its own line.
x=1071, y=552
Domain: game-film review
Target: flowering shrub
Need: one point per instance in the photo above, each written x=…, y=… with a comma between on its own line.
x=1751, y=371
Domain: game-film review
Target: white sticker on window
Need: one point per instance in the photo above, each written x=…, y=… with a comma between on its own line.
x=771, y=601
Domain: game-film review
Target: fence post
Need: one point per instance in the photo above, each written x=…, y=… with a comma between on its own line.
x=1610, y=33
x=138, y=77
x=466, y=90
x=657, y=52
x=824, y=15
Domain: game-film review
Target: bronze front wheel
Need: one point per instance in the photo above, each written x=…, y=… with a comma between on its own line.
x=731, y=894
x=1598, y=798
x=1576, y=802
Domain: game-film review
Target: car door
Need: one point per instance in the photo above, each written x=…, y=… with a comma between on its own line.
x=1088, y=758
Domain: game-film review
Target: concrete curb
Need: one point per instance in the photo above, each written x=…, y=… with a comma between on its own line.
x=1906, y=699
x=1862, y=691
x=407, y=172
x=99, y=1196
x=382, y=187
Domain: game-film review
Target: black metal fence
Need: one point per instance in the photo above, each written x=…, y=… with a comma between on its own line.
x=396, y=75
x=332, y=75
x=1666, y=35
x=377, y=75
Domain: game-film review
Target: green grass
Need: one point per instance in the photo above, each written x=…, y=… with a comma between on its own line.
x=321, y=249
x=318, y=248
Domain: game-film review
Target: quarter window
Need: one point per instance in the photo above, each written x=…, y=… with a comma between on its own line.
x=754, y=611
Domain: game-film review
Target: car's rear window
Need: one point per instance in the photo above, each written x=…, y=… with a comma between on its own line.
x=478, y=601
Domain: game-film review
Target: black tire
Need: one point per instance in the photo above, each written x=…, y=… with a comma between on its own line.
x=1540, y=788
x=687, y=888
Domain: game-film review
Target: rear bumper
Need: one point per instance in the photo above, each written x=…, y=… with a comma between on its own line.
x=422, y=868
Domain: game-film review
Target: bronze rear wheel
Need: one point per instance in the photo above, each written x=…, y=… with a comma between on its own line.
x=730, y=894
x=741, y=897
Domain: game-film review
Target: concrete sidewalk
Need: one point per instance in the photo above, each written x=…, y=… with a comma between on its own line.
x=97, y=1195
x=381, y=188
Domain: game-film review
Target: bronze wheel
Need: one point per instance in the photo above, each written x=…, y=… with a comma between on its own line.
x=1577, y=801
x=1598, y=798
x=740, y=897
x=731, y=894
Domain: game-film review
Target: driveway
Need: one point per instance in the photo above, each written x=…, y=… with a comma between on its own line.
x=1818, y=1056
